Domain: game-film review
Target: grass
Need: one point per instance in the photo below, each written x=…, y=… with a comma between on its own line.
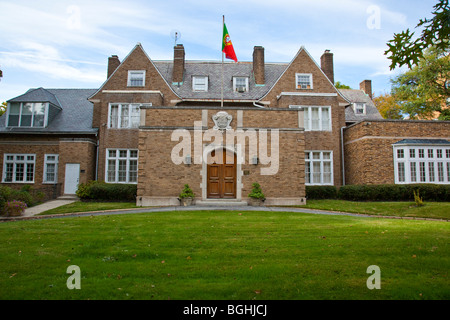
x=227, y=255
x=433, y=210
x=80, y=206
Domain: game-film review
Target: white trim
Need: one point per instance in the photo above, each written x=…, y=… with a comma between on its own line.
x=246, y=83
x=133, y=91
x=46, y=109
x=298, y=74
x=427, y=160
x=46, y=162
x=307, y=112
x=140, y=72
x=307, y=94
x=321, y=160
x=205, y=85
x=119, y=114
x=117, y=158
x=15, y=162
x=355, y=107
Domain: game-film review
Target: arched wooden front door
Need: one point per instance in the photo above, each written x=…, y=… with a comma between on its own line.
x=221, y=174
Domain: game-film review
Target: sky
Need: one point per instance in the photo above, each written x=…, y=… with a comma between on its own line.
x=66, y=44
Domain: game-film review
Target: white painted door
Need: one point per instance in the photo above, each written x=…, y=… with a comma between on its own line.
x=72, y=178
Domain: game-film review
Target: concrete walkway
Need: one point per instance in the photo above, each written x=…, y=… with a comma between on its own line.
x=45, y=206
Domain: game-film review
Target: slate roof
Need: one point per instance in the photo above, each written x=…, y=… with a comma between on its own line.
x=75, y=115
x=423, y=142
x=214, y=72
x=358, y=96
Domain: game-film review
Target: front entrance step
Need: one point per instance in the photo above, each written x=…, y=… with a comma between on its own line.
x=220, y=203
x=68, y=197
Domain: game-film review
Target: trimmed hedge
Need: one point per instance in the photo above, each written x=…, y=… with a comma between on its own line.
x=382, y=192
x=101, y=191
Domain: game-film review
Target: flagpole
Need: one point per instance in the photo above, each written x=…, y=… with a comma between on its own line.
x=221, y=101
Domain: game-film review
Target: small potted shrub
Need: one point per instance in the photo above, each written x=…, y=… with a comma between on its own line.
x=186, y=196
x=256, y=196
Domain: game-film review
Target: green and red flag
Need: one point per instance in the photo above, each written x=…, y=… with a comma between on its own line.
x=227, y=46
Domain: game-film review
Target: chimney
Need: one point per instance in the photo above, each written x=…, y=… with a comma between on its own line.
x=113, y=63
x=178, y=63
x=258, y=64
x=366, y=86
x=326, y=64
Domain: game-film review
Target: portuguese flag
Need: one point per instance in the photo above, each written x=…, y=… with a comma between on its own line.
x=227, y=46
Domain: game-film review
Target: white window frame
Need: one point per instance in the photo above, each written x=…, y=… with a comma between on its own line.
x=432, y=165
x=200, y=87
x=307, y=117
x=309, y=164
x=361, y=105
x=119, y=115
x=299, y=87
x=15, y=162
x=48, y=161
x=132, y=73
x=117, y=158
x=235, y=87
x=32, y=115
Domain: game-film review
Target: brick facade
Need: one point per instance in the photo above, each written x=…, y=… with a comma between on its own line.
x=368, y=147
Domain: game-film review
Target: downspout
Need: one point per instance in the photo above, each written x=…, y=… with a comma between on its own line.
x=96, y=157
x=259, y=106
x=343, y=155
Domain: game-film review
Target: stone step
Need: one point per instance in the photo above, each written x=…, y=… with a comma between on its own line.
x=68, y=197
x=220, y=203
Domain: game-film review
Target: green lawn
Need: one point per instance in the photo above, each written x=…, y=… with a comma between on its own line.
x=224, y=255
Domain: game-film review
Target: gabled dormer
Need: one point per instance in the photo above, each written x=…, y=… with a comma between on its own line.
x=34, y=109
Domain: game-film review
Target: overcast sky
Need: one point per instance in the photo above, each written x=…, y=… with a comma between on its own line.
x=66, y=44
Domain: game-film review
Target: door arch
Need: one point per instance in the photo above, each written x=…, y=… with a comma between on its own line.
x=221, y=174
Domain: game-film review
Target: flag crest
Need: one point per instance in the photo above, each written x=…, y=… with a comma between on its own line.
x=227, y=45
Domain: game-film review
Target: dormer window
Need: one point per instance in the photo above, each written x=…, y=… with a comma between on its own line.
x=27, y=114
x=359, y=108
x=136, y=78
x=303, y=81
x=200, y=83
x=240, y=84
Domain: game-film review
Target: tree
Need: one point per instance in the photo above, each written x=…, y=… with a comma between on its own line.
x=340, y=85
x=3, y=108
x=436, y=32
x=422, y=91
x=388, y=106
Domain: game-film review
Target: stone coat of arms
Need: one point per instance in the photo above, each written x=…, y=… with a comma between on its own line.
x=222, y=121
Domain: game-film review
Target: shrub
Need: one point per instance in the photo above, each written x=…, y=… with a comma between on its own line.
x=26, y=194
x=187, y=192
x=256, y=192
x=15, y=208
x=95, y=190
x=393, y=192
x=321, y=192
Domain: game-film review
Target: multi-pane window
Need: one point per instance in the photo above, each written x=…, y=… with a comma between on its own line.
x=29, y=114
x=200, y=83
x=303, y=81
x=124, y=115
x=136, y=78
x=19, y=168
x=319, y=167
x=121, y=165
x=422, y=164
x=316, y=118
x=359, y=108
x=240, y=84
x=51, y=168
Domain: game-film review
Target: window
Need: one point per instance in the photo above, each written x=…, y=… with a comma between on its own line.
x=121, y=165
x=359, y=108
x=136, y=78
x=240, y=84
x=420, y=164
x=18, y=168
x=124, y=115
x=319, y=167
x=316, y=118
x=29, y=114
x=303, y=81
x=51, y=168
x=200, y=83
